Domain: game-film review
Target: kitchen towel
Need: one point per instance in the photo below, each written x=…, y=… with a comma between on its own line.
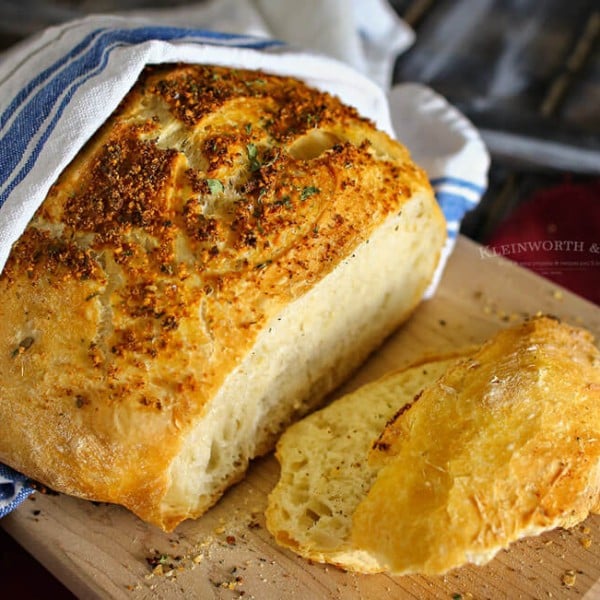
x=59, y=86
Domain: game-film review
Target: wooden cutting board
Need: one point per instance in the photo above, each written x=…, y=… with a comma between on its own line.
x=103, y=551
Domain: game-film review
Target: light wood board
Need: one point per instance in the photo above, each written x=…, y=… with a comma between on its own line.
x=102, y=551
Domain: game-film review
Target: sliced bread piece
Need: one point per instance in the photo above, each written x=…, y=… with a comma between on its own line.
x=481, y=450
x=325, y=471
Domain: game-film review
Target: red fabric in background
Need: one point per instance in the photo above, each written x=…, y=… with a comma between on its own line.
x=556, y=233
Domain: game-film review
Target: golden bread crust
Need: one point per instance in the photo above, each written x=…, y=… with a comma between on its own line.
x=504, y=445
x=211, y=199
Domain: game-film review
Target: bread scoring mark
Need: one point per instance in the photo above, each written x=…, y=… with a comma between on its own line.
x=195, y=92
x=390, y=431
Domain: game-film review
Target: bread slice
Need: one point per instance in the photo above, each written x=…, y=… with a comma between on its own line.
x=504, y=444
x=224, y=252
x=325, y=471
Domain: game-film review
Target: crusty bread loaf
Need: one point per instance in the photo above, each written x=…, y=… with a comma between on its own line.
x=225, y=251
x=503, y=445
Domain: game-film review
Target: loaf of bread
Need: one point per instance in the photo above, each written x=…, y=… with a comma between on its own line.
x=221, y=254
x=497, y=445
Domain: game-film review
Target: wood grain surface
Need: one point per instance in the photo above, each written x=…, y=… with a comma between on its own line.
x=103, y=551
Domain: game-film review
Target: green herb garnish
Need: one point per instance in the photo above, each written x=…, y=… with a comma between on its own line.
x=312, y=120
x=284, y=201
x=252, y=151
x=215, y=186
x=309, y=191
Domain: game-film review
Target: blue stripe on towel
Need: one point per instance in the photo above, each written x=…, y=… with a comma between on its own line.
x=44, y=75
x=457, y=182
x=13, y=489
x=454, y=206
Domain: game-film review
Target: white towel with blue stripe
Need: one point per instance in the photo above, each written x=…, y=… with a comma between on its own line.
x=57, y=88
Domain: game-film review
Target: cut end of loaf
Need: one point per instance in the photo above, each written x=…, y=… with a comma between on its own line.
x=303, y=354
